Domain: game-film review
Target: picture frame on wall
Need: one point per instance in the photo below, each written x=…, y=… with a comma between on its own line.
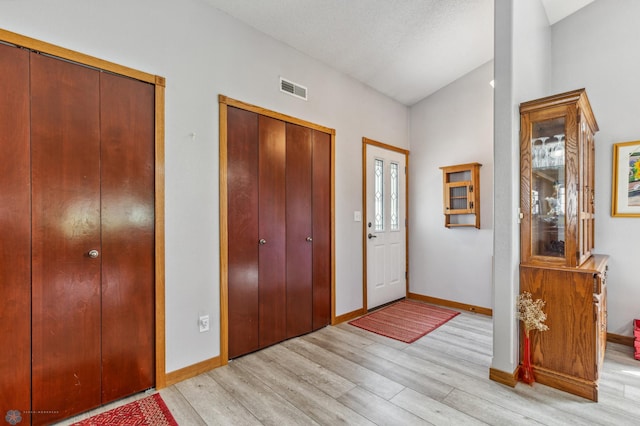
x=626, y=179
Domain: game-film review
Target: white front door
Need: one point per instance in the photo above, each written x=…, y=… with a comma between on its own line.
x=385, y=225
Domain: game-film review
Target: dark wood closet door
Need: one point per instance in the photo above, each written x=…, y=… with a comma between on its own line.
x=279, y=230
x=271, y=225
x=127, y=214
x=321, y=229
x=15, y=233
x=66, y=226
x=242, y=187
x=299, y=232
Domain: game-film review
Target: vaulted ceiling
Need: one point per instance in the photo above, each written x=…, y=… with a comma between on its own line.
x=405, y=49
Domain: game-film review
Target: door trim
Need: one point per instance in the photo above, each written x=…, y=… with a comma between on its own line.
x=159, y=196
x=370, y=142
x=224, y=102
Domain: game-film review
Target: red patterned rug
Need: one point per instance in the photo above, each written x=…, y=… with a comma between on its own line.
x=406, y=320
x=149, y=411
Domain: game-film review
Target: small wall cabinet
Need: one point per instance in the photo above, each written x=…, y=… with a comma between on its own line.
x=461, y=195
x=557, y=263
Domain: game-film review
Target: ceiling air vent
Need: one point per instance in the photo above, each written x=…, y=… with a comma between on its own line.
x=294, y=89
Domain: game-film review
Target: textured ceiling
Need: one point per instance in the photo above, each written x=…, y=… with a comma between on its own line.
x=406, y=49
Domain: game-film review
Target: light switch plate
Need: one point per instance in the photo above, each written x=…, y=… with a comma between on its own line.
x=204, y=323
x=357, y=216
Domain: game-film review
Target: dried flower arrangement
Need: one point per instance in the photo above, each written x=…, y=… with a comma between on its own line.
x=530, y=313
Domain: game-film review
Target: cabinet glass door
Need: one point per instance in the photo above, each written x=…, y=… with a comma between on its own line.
x=458, y=196
x=548, y=198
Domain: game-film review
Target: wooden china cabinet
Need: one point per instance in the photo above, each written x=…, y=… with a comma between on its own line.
x=557, y=239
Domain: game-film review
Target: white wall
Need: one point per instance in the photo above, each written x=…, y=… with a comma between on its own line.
x=203, y=53
x=522, y=72
x=597, y=48
x=452, y=126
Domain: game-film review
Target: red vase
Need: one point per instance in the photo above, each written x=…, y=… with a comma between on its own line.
x=526, y=370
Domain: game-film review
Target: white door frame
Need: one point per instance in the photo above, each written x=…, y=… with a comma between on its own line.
x=365, y=143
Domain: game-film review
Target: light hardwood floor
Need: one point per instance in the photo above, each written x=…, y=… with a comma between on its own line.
x=345, y=375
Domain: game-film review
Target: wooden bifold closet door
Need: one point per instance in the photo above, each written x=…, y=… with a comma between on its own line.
x=65, y=281
x=15, y=232
x=271, y=241
x=77, y=256
x=279, y=222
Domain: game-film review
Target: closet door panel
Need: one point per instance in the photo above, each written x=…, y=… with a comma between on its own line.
x=271, y=262
x=242, y=189
x=66, y=226
x=298, y=230
x=128, y=249
x=321, y=229
x=15, y=233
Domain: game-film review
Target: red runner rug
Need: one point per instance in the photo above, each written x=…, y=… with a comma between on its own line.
x=406, y=320
x=149, y=411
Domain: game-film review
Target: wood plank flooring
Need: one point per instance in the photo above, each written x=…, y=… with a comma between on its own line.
x=345, y=375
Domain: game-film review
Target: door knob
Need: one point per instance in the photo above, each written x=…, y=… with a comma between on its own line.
x=309, y=239
x=93, y=254
x=372, y=236
x=262, y=241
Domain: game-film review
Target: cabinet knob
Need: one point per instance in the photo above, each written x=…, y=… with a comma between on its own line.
x=93, y=254
x=309, y=239
x=262, y=241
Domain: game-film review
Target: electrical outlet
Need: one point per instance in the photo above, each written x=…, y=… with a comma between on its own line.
x=204, y=323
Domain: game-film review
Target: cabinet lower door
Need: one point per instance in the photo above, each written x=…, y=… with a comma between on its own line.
x=567, y=355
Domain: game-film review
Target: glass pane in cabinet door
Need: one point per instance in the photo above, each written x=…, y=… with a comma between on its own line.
x=458, y=197
x=548, y=188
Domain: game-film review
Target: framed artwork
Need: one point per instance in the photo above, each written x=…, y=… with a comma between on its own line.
x=626, y=179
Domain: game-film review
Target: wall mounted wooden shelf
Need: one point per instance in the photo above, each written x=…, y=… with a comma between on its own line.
x=461, y=195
